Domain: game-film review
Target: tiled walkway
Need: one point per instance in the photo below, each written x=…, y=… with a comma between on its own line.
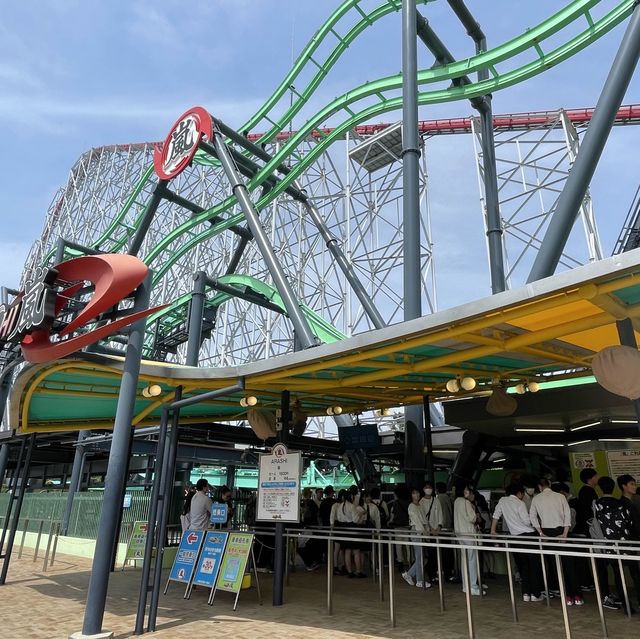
x=36, y=605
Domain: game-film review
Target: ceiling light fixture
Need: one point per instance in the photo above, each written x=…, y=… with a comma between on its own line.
x=575, y=428
x=539, y=430
x=621, y=439
x=153, y=390
x=248, y=401
x=582, y=441
x=334, y=410
x=544, y=445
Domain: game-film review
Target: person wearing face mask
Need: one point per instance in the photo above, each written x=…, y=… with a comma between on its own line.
x=433, y=514
x=465, y=522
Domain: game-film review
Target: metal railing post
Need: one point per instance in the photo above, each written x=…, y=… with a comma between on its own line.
x=24, y=535
x=35, y=552
x=55, y=544
x=544, y=576
x=623, y=579
x=330, y=576
x=514, y=609
x=48, y=550
x=392, y=594
x=596, y=582
x=440, y=575
x=380, y=553
x=466, y=580
x=563, y=598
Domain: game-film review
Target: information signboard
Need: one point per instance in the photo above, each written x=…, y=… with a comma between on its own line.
x=208, y=565
x=185, y=561
x=279, y=486
x=219, y=514
x=234, y=562
x=137, y=541
x=624, y=462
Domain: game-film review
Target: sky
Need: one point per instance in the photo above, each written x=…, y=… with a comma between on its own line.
x=76, y=74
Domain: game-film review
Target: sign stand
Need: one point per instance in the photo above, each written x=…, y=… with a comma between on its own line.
x=135, y=546
x=186, y=558
x=210, y=560
x=233, y=567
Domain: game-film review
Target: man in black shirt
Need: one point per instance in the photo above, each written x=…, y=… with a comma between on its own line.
x=587, y=495
x=326, y=505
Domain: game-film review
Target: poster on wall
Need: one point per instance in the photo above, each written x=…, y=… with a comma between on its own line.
x=583, y=460
x=624, y=462
x=279, y=486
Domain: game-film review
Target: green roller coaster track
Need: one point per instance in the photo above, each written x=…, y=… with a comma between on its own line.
x=355, y=107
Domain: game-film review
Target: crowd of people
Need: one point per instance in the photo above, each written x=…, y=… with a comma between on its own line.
x=530, y=509
x=537, y=508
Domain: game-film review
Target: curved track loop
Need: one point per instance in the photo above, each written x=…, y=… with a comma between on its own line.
x=368, y=101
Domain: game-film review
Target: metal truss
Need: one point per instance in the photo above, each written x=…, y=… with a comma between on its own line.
x=532, y=165
x=361, y=207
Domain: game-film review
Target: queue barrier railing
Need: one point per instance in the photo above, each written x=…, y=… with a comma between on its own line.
x=555, y=549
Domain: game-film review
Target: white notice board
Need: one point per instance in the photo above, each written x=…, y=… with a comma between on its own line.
x=624, y=462
x=279, y=485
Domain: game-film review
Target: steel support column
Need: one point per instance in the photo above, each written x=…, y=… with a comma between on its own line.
x=279, y=552
x=151, y=524
x=76, y=478
x=412, y=263
x=428, y=440
x=116, y=469
x=4, y=461
x=572, y=196
x=196, y=312
x=168, y=474
x=25, y=467
x=147, y=218
x=299, y=321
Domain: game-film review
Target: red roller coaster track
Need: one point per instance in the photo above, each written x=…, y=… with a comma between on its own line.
x=629, y=114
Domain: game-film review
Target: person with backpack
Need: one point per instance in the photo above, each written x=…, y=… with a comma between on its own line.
x=466, y=520
x=612, y=521
x=325, y=507
x=382, y=507
x=399, y=520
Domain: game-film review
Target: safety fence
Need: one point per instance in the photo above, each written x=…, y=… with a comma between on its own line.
x=555, y=557
x=85, y=513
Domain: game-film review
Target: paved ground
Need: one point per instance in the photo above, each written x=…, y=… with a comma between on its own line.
x=36, y=605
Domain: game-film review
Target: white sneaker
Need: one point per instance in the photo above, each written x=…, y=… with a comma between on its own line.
x=526, y=598
x=408, y=578
x=423, y=584
x=534, y=598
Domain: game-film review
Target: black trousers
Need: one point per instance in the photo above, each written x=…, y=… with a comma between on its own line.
x=571, y=585
x=530, y=570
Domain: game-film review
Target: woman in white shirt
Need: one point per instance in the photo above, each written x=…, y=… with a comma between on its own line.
x=338, y=551
x=465, y=521
x=349, y=515
x=418, y=521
